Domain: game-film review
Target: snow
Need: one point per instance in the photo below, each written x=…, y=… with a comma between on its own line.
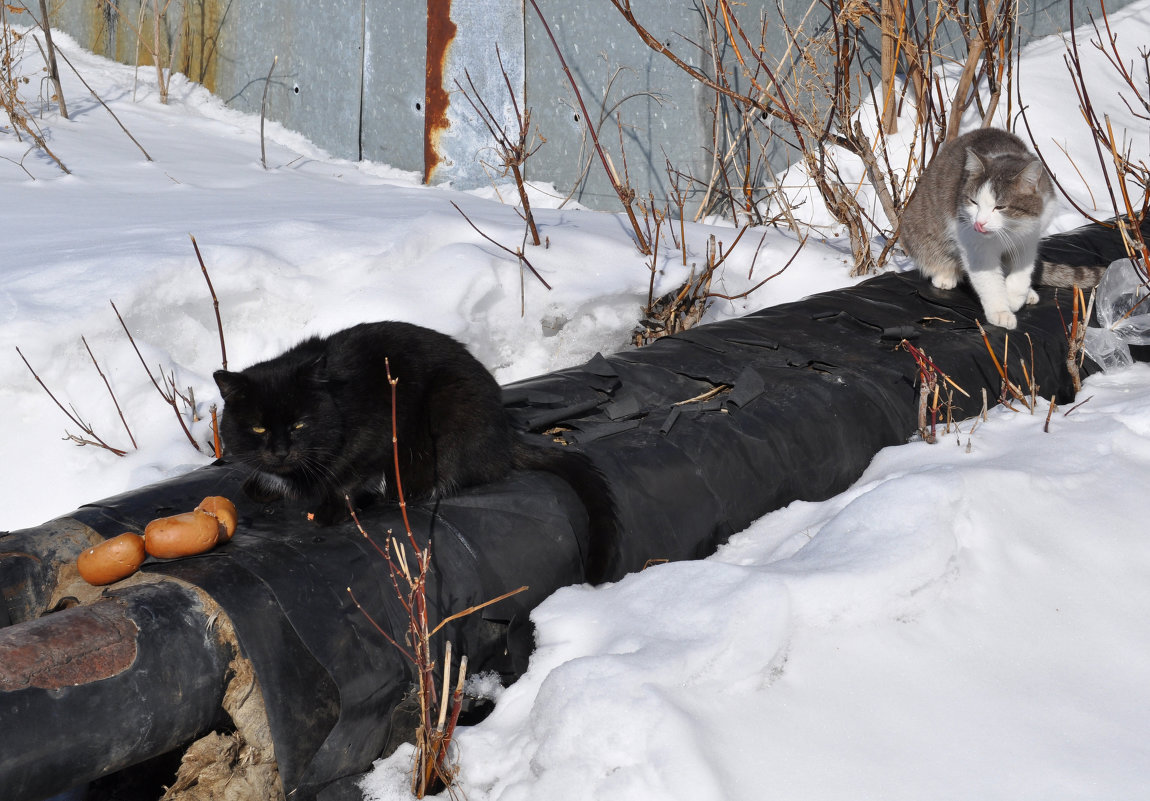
x=969, y=620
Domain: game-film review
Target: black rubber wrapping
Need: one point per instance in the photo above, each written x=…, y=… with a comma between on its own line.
x=698, y=434
x=330, y=680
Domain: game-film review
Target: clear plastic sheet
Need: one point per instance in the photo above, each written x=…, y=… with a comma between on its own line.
x=1122, y=309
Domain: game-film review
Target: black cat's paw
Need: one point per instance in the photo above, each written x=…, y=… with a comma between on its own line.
x=257, y=488
x=331, y=511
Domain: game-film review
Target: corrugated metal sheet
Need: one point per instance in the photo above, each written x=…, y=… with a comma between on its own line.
x=357, y=77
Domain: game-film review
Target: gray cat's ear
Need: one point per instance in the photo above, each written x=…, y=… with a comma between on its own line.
x=974, y=164
x=1030, y=176
x=230, y=384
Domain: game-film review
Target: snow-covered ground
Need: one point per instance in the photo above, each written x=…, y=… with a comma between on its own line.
x=970, y=621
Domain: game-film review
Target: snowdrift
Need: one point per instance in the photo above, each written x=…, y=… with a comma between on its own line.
x=699, y=434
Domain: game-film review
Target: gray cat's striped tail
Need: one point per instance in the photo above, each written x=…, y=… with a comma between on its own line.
x=1049, y=273
x=1080, y=257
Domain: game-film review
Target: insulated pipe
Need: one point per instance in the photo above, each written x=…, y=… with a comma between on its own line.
x=31, y=562
x=89, y=690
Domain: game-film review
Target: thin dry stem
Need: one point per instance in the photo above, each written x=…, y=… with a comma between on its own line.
x=476, y=608
x=625, y=193
x=1009, y=388
x=215, y=302
x=516, y=253
x=264, y=109
x=168, y=392
x=105, y=105
x=107, y=385
x=71, y=415
x=50, y=57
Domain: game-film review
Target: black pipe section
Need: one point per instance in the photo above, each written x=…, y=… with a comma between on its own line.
x=30, y=564
x=89, y=690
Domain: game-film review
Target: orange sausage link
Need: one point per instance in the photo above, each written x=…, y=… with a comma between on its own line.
x=112, y=559
x=181, y=535
x=224, y=511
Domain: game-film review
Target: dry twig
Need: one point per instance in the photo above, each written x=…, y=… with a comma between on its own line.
x=625, y=193
x=215, y=303
x=168, y=392
x=92, y=437
x=516, y=253
x=513, y=150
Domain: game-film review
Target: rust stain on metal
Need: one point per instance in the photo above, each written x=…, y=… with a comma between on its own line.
x=440, y=34
x=76, y=646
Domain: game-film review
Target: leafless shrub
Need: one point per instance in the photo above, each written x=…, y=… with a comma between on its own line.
x=11, y=81
x=88, y=435
x=181, y=401
x=931, y=383
x=514, y=148
x=684, y=307
x=434, y=768
x=822, y=96
x=1128, y=191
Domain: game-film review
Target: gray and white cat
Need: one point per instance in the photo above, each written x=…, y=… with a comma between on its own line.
x=979, y=209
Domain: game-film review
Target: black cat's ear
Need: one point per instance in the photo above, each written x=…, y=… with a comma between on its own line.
x=230, y=384
x=316, y=370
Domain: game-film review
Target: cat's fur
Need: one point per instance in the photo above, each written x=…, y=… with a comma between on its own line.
x=979, y=209
x=316, y=422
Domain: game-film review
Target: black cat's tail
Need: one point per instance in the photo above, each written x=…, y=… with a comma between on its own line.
x=590, y=486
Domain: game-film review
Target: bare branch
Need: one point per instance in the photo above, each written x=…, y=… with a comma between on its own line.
x=215, y=303
x=115, y=402
x=517, y=254
x=87, y=429
x=626, y=194
x=169, y=395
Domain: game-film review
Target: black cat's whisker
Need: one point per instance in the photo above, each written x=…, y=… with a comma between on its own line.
x=316, y=467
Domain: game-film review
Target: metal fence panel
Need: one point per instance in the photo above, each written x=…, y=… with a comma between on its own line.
x=357, y=77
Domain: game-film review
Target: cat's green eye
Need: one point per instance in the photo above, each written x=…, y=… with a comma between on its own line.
x=259, y=430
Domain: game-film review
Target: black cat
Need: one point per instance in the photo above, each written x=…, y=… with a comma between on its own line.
x=316, y=422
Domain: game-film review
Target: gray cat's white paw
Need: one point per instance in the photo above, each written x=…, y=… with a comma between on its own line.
x=1018, y=301
x=944, y=281
x=1003, y=319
